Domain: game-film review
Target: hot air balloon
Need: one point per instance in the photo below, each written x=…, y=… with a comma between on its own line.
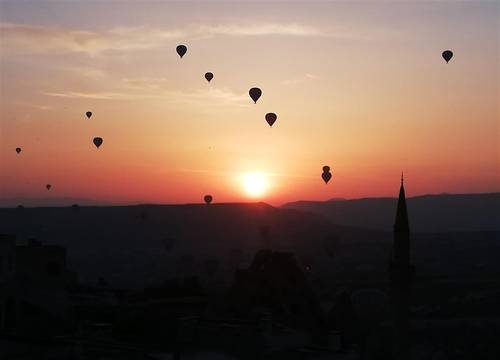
x=447, y=55
x=48, y=186
x=208, y=199
x=18, y=150
x=271, y=118
x=255, y=94
x=181, y=50
x=326, y=177
x=326, y=174
x=97, y=141
x=89, y=114
x=209, y=76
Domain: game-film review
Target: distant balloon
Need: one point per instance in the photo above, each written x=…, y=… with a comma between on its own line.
x=209, y=76
x=271, y=118
x=18, y=150
x=447, y=55
x=89, y=114
x=48, y=186
x=208, y=199
x=97, y=141
x=255, y=94
x=327, y=175
x=181, y=50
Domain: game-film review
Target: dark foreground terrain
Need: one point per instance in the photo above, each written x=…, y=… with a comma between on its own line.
x=244, y=281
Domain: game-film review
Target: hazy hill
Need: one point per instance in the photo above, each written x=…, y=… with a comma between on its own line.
x=136, y=246
x=147, y=243
x=429, y=213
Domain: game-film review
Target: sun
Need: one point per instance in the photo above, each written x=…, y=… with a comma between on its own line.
x=255, y=184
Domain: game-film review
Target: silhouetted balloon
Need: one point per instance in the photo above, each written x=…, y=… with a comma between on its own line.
x=89, y=114
x=326, y=168
x=255, y=94
x=326, y=177
x=181, y=50
x=271, y=118
x=209, y=76
x=97, y=141
x=447, y=55
x=208, y=199
x=48, y=186
x=18, y=150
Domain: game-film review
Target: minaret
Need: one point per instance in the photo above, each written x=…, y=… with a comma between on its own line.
x=401, y=272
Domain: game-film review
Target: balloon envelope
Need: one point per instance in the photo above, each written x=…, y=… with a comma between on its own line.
x=89, y=114
x=447, y=55
x=326, y=168
x=255, y=94
x=208, y=199
x=326, y=177
x=18, y=150
x=209, y=76
x=97, y=141
x=48, y=186
x=181, y=50
x=271, y=118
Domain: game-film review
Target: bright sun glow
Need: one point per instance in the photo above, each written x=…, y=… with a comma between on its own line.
x=255, y=184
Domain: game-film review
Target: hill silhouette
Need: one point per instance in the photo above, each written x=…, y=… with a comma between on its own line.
x=428, y=213
x=134, y=245
x=145, y=245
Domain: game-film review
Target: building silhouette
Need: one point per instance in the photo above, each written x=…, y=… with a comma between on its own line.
x=401, y=273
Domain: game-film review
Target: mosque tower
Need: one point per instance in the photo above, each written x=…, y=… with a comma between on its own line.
x=401, y=273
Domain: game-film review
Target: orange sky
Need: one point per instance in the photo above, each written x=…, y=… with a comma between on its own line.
x=360, y=87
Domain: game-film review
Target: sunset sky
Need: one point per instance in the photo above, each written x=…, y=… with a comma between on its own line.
x=358, y=86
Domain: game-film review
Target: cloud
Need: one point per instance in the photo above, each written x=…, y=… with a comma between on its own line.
x=91, y=95
x=260, y=30
x=26, y=39
x=210, y=97
x=22, y=38
x=144, y=83
x=301, y=79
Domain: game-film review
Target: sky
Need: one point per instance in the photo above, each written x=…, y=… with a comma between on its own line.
x=358, y=86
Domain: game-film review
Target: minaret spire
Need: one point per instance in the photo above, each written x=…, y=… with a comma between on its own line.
x=401, y=223
x=402, y=273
